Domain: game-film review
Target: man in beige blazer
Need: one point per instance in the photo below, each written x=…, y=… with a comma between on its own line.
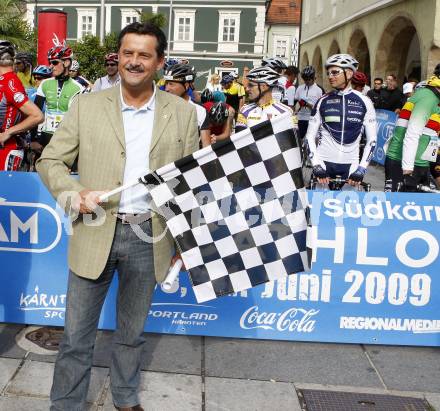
x=105, y=131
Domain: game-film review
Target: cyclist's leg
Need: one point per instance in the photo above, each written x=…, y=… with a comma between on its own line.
x=393, y=174
x=435, y=170
x=421, y=174
x=302, y=129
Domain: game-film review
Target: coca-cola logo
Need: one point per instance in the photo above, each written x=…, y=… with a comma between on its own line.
x=292, y=320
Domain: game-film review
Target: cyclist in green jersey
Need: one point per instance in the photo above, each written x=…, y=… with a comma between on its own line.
x=56, y=94
x=414, y=143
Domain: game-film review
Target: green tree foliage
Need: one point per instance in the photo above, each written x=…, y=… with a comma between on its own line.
x=158, y=19
x=90, y=54
x=13, y=27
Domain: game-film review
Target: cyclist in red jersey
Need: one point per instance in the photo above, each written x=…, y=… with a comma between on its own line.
x=220, y=118
x=17, y=113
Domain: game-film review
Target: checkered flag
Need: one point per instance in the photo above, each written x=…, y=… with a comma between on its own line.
x=237, y=209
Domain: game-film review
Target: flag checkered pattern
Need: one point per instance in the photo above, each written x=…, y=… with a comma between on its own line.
x=237, y=209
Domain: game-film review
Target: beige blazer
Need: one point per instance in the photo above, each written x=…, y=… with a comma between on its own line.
x=93, y=130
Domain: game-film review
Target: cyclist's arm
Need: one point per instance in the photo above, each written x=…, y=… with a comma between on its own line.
x=312, y=132
x=205, y=134
x=40, y=100
x=227, y=128
x=370, y=133
x=416, y=124
x=241, y=123
x=33, y=117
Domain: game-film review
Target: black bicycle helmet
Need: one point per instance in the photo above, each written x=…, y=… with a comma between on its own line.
x=218, y=113
x=227, y=78
x=180, y=72
x=308, y=73
x=437, y=70
x=25, y=57
x=7, y=47
x=206, y=96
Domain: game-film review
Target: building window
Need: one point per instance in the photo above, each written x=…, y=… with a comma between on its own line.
x=184, y=29
x=86, y=22
x=281, y=48
x=129, y=16
x=228, y=31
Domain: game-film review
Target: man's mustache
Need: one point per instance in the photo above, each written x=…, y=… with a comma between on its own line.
x=134, y=67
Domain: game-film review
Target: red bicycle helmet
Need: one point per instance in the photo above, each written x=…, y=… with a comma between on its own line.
x=359, y=78
x=60, y=53
x=111, y=57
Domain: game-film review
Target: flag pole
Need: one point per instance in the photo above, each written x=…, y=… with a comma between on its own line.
x=170, y=17
x=102, y=25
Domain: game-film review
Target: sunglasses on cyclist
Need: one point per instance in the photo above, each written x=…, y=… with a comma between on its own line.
x=110, y=65
x=54, y=62
x=334, y=73
x=38, y=78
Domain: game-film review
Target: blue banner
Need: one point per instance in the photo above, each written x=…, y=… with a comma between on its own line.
x=373, y=281
x=385, y=128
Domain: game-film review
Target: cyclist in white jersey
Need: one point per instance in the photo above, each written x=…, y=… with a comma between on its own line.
x=261, y=81
x=179, y=80
x=278, y=89
x=112, y=78
x=306, y=96
x=337, y=123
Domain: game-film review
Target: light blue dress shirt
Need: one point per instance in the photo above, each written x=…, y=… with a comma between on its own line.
x=138, y=129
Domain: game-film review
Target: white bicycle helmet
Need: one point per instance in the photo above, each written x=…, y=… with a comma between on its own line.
x=264, y=75
x=74, y=66
x=344, y=61
x=274, y=63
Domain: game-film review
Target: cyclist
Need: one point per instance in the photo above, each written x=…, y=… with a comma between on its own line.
x=56, y=93
x=75, y=74
x=179, y=79
x=39, y=73
x=233, y=92
x=112, y=78
x=17, y=113
x=336, y=125
x=23, y=68
x=359, y=81
x=413, y=146
x=306, y=96
x=291, y=74
x=279, y=89
x=220, y=118
x=261, y=81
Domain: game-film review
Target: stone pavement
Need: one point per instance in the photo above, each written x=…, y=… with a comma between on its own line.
x=186, y=373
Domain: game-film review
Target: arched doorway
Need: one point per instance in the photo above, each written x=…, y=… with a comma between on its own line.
x=317, y=63
x=358, y=48
x=334, y=48
x=305, y=60
x=399, y=50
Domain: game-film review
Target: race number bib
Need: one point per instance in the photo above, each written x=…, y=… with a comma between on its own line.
x=430, y=153
x=53, y=120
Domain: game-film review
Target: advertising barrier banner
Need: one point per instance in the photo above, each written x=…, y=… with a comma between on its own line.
x=385, y=127
x=373, y=281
